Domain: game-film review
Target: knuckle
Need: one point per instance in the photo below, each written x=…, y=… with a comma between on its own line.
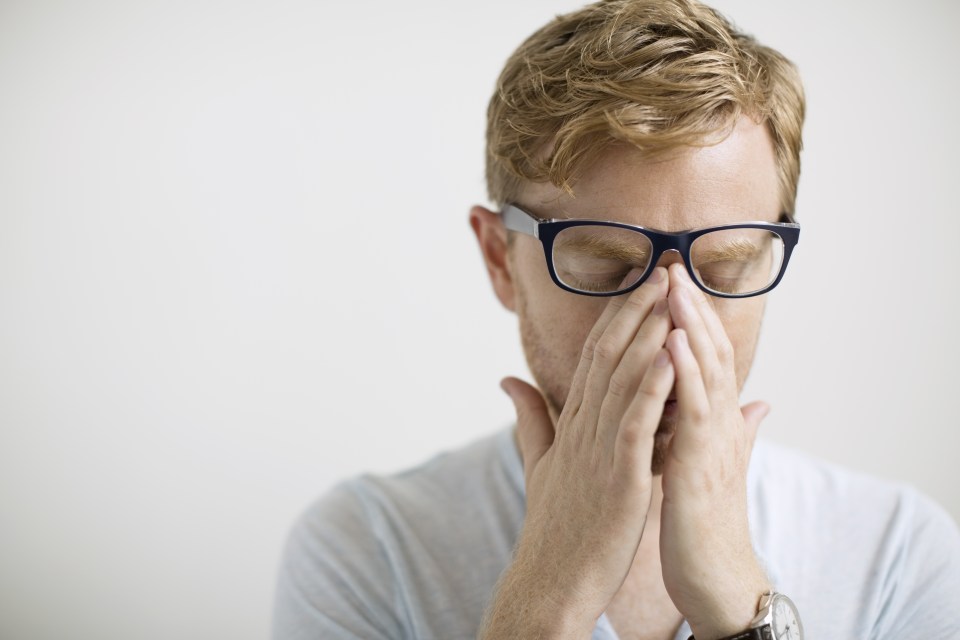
x=590, y=344
x=698, y=413
x=568, y=415
x=588, y=347
x=712, y=377
x=725, y=352
x=650, y=336
x=643, y=333
x=638, y=300
x=692, y=367
x=648, y=394
x=603, y=351
x=619, y=385
x=629, y=435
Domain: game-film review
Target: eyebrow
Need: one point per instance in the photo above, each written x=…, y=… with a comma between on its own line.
x=739, y=249
x=612, y=249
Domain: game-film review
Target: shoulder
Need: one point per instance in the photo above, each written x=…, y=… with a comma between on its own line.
x=475, y=491
x=468, y=484
x=786, y=480
x=817, y=498
x=873, y=553
x=433, y=538
x=481, y=469
x=488, y=468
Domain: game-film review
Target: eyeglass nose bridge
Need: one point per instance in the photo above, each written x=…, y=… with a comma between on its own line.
x=669, y=256
x=668, y=249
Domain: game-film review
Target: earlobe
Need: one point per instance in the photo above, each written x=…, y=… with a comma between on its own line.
x=492, y=238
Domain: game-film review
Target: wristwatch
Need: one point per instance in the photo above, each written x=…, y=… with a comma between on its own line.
x=777, y=619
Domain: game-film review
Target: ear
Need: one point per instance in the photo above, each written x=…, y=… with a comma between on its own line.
x=492, y=238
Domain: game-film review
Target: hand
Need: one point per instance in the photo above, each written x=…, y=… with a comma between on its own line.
x=709, y=567
x=588, y=480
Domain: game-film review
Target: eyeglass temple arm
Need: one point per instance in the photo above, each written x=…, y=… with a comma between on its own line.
x=517, y=219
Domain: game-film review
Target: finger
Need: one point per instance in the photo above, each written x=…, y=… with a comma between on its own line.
x=635, y=437
x=628, y=375
x=534, y=427
x=712, y=322
x=693, y=404
x=687, y=316
x=753, y=415
x=611, y=346
x=575, y=394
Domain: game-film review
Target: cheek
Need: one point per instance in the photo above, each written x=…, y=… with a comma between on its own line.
x=565, y=322
x=554, y=324
x=562, y=311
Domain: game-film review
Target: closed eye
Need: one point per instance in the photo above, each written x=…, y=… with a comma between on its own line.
x=608, y=248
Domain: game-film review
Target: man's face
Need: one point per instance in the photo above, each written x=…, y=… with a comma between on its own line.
x=733, y=181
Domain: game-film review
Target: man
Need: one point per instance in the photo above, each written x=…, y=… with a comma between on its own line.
x=644, y=158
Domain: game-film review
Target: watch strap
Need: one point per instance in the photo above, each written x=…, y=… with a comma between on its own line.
x=762, y=632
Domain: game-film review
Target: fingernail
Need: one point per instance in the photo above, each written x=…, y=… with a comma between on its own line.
x=661, y=307
x=662, y=359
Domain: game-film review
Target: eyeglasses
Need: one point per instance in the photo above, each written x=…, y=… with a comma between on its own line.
x=597, y=258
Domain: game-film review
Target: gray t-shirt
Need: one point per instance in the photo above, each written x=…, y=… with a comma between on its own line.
x=417, y=554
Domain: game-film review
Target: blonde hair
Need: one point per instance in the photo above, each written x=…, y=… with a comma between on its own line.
x=657, y=74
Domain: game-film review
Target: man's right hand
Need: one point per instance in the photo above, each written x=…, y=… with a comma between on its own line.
x=588, y=480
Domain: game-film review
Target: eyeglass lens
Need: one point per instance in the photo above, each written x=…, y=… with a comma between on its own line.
x=731, y=261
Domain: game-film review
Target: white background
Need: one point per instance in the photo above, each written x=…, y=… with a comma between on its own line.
x=235, y=267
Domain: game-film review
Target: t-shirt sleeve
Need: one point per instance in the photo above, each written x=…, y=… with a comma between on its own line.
x=335, y=581
x=921, y=585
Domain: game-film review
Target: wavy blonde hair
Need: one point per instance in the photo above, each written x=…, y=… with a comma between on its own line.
x=657, y=74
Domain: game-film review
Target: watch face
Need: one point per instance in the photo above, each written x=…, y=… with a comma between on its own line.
x=786, y=621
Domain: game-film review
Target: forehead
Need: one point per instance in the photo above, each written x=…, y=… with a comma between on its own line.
x=690, y=187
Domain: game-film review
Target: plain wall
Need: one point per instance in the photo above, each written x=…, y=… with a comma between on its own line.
x=235, y=267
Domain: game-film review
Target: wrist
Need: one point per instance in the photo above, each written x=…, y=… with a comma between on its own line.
x=728, y=610
x=529, y=604
x=777, y=617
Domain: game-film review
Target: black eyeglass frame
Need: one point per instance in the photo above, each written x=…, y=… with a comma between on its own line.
x=546, y=230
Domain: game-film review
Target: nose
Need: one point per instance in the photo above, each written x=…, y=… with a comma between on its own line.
x=669, y=257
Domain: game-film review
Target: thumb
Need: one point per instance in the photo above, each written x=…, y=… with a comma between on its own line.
x=534, y=426
x=753, y=415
